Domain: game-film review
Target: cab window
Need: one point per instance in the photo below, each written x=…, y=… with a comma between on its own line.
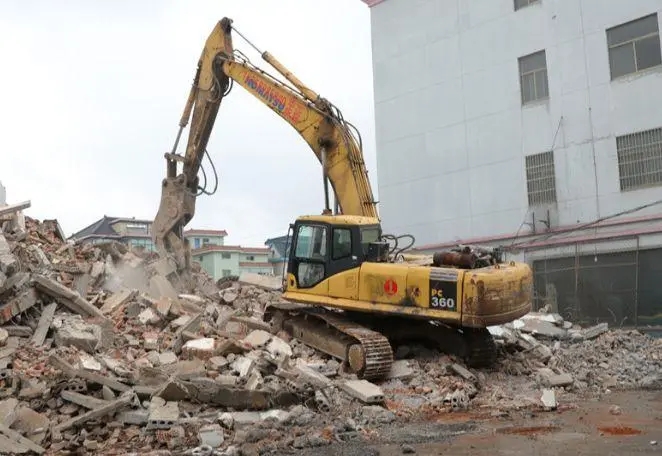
x=368, y=235
x=311, y=242
x=342, y=243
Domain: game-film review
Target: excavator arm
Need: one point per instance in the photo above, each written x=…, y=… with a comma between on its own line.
x=321, y=125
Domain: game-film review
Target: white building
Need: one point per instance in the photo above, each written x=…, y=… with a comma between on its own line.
x=517, y=122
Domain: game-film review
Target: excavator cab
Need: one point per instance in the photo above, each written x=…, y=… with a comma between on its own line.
x=328, y=245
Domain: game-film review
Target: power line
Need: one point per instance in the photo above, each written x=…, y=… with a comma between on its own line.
x=586, y=225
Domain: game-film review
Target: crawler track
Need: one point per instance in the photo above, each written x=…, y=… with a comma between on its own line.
x=364, y=341
x=474, y=345
x=366, y=352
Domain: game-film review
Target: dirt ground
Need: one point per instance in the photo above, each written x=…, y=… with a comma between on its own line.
x=585, y=428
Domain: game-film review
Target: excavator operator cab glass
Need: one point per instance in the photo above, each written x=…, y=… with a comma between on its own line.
x=321, y=250
x=372, y=247
x=310, y=254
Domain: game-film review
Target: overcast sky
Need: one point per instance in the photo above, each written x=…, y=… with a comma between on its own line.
x=92, y=93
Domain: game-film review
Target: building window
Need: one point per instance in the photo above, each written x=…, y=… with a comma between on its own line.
x=634, y=46
x=640, y=159
x=205, y=241
x=196, y=243
x=226, y=272
x=540, y=178
x=342, y=243
x=522, y=3
x=141, y=227
x=146, y=244
x=533, y=77
x=226, y=255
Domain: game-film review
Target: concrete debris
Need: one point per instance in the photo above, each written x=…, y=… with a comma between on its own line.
x=364, y=390
x=101, y=352
x=548, y=399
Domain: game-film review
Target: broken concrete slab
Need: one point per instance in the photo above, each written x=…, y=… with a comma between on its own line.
x=279, y=348
x=31, y=424
x=148, y=317
x=8, y=409
x=548, y=399
x=104, y=410
x=14, y=442
x=173, y=390
x=19, y=331
x=13, y=208
x=162, y=307
x=243, y=365
x=160, y=287
x=463, y=372
x=400, y=369
x=92, y=377
x=270, y=283
x=65, y=296
x=162, y=414
x=548, y=317
x=44, y=325
x=137, y=417
x=167, y=357
x=541, y=328
x=211, y=435
x=192, y=325
x=551, y=379
x=257, y=338
x=364, y=391
x=203, y=348
x=118, y=299
x=83, y=400
x=8, y=262
x=594, y=331
x=18, y=305
x=71, y=330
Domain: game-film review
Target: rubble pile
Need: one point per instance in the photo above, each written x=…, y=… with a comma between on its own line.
x=554, y=353
x=103, y=350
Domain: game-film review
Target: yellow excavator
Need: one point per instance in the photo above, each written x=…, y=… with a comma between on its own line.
x=350, y=290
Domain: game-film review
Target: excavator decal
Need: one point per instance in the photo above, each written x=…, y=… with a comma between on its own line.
x=443, y=290
x=390, y=287
x=266, y=93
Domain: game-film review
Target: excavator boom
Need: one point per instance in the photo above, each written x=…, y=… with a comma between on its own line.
x=319, y=123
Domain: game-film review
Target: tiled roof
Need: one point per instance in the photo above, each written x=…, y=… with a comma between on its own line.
x=102, y=227
x=278, y=243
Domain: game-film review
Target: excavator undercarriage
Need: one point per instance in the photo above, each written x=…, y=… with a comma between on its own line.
x=365, y=342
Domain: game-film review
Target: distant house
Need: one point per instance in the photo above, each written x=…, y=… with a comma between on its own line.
x=207, y=246
x=202, y=238
x=279, y=247
x=228, y=260
x=130, y=231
